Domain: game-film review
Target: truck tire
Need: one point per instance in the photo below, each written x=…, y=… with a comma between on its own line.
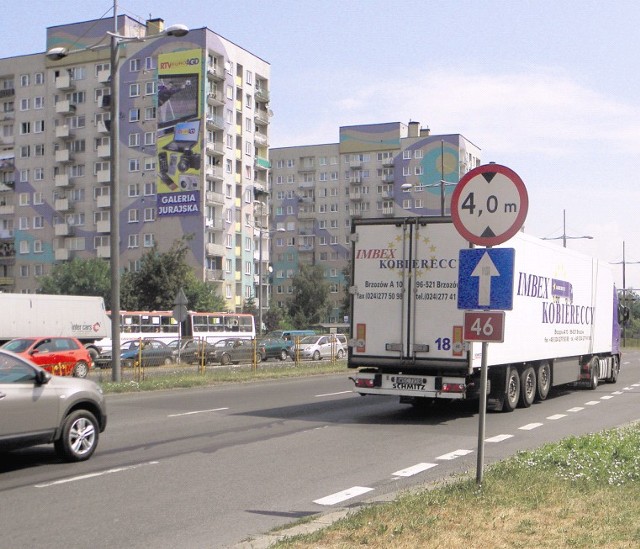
x=615, y=370
x=594, y=369
x=93, y=353
x=527, y=387
x=543, y=377
x=511, y=390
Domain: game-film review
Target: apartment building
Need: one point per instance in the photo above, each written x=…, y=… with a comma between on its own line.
x=192, y=151
x=375, y=170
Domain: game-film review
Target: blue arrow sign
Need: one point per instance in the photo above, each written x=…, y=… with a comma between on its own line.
x=485, y=279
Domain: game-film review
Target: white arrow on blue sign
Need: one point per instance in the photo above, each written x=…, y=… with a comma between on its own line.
x=485, y=279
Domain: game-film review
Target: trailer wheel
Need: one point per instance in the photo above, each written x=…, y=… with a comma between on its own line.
x=615, y=370
x=527, y=387
x=594, y=370
x=544, y=381
x=511, y=390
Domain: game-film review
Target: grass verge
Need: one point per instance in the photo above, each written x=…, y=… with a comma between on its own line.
x=153, y=379
x=580, y=492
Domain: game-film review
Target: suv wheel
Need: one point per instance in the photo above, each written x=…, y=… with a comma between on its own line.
x=79, y=437
x=81, y=369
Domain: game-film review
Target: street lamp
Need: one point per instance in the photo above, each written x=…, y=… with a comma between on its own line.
x=58, y=53
x=564, y=237
x=624, y=263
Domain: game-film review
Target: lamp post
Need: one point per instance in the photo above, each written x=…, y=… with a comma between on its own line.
x=624, y=263
x=564, y=237
x=114, y=208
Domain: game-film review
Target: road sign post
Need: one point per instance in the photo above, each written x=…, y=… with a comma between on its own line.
x=488, y=206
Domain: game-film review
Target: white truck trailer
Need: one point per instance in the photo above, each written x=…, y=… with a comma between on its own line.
x=407, y=330
x=38, y=315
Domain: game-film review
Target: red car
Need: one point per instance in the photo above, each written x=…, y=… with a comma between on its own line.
x=63, y=356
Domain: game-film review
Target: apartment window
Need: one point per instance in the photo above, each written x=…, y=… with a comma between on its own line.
x=135, y=65
x=150, y=113
x=39, y=78
x=134, y=190
x=38, y=222
x=134, y=140
x=134, y=164
x=23, y=199
x=134, y=90
x=419, y=170
x=150, y=88
x=38, y=102
x=76, y=122
x=102, y=67
x=417, y=153
x=24, y=104
x=38, y=198
x=25, y=128
x=134, y=115
x=77, y=146
x=38, y=174
x=149, y=64
x=150, y=163
x=148, y=240
x=23, y=223
x=149, y=138
x=38, y=268
x=134, y=216
x=149, y=214
x=78, y=73
x=77, y=97
x=24, y=269
x=406, y=155
x=149, y=188
x=38, y=126
x=24, y=176
x=133, y=241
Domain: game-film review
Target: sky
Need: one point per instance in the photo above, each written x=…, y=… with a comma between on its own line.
x=549, y=88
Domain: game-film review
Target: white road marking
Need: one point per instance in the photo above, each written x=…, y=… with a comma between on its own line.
x=414, y=470
x=575, y=409
x=626, y=388
x=606, y=397
x=498, y=438
x=338, y=497
x=334, y=394
x=592, y=403
x=616, y=393
x=455, y=454
x=530, y=426
x=197, y=412
x=556, y=416
x=635, y=385
x=93, y=475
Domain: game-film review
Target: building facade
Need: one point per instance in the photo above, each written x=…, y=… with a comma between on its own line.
x=375, y=170
x=193, y=154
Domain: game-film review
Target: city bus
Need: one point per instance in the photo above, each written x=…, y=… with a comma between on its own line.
x=210, y=327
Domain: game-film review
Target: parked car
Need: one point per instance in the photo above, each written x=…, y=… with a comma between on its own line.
x=188, y=350
x=38, y=408
x=62, y=356
x=277, y=344
x=320, y=346
x=232, y=350
x=153, y=353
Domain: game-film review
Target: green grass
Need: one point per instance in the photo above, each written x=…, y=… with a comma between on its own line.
x=176, y=377
x=582, y=492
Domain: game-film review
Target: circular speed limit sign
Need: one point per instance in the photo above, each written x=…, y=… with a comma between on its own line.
x=489, y=205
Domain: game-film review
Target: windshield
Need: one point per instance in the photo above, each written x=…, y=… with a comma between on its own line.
x=18, y=345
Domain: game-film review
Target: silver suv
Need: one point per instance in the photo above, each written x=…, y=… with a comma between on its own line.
x=38, y=408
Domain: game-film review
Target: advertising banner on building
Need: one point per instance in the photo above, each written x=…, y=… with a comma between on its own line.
x=180, y=135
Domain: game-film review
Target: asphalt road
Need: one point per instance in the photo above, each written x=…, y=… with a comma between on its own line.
x=211, y=467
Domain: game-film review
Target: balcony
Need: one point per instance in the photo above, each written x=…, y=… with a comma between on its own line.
x=62, y=180
x=64, y=156
x=7, y=209
x=214, y=250
x=104, y=176
x=215, y=148
x=7, y=140
x=103, y=252
x=260, y=139
x=261, y=117
x=103, y=226
x=104, y=76
x=7, y=281
x=356, y=195
x=104, y=127
x=61, y=254
x=307, y=214
x=214, y=198
x=388, y=162
x=103, y=201
x=63, y=132
x=215, y=73
x=61, y=205
x=62, y=229
x=355, y=179
x=215, y=98
x=215, y=275
x=214, y=173
x=64, y=82
x=65, y=107
x=388, y=212
x=7, y=185
x=215, y=122
x=388, y=178
x=261, y=163
x=104, y=151
x=261, y=95
x=305, y=247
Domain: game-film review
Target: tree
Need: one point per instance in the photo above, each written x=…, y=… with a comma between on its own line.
x=79, y=277
x=204, y=296
x=310, y=303
x=249, y=307
x=345, y=305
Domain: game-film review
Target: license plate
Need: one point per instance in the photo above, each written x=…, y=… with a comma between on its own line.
x=408, y=383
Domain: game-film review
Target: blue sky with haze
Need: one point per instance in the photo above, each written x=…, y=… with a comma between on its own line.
x=548, y=88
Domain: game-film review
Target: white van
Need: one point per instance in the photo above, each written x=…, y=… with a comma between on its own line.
x=315, y=347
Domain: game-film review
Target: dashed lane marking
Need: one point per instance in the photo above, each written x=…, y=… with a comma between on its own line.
x=498, y=438
x=414, y=470
x=530, y=426
x=606, y=397
x=556, y=416
x=94, y=475
x=197, y=412
x=339, y=497
x=575, y=409
x=455, y=454
x=592, y=403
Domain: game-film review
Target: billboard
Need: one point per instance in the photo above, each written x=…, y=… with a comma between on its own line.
x=180, y=133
